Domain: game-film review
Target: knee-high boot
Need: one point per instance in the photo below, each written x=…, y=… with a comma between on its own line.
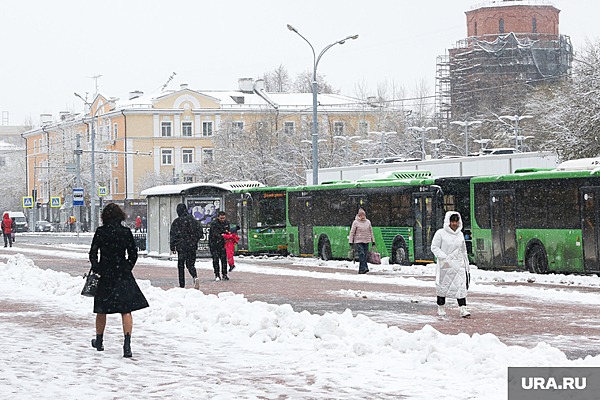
x=97, y=343
x=127, y=346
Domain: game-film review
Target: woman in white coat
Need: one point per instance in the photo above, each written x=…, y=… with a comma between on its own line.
x=452, y=272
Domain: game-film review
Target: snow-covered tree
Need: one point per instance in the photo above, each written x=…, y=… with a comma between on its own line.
x=569, y=113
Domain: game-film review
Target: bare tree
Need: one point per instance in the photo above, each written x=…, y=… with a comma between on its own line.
x=277, y=81
x=304, y=80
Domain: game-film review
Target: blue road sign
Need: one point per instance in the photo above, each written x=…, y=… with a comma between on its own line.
x=55, y=202
x=27, y=201
x=77, y=196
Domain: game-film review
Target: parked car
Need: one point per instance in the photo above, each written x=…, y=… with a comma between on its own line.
x=43, y=226
x=390, y=160
x=500, y=150
x=367, y=161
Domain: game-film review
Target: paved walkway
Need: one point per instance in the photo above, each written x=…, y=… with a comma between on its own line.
x=573, y=328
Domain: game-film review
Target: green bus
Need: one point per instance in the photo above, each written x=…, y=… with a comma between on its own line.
x=539, y=220
x=405, y=209
x=260, y=212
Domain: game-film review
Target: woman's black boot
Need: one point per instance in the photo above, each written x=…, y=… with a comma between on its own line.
x=97, y=343
x=127, y=346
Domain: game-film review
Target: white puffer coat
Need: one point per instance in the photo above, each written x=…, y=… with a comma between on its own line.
x=452, y=261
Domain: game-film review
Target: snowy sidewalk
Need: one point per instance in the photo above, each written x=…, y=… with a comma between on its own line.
x=191, y=345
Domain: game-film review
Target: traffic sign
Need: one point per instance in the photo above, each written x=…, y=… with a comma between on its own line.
x=55, y=202
x=102, y=191
x=77, y=196
x=27, y=201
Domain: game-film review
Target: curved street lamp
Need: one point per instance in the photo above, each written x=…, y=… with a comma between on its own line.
x=436, y=144
x=383, y=136
x=347, y=140
x=515, y=119
x=423, y=129
x=315, y=129
x=466, y=125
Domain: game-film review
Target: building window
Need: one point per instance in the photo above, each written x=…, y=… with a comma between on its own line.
x=116, y=160
x=116, y=186
x=534, y=25
x=186, y=128
x=207, y=128
x=166, y=156
x=115, y=131
x=338, y=128
x=187, y=156
x=237, y=126
x=188, y=179
x=501, y=25
x=207, y=156
x=475, y=29
x=288, y=127
x=165, y=128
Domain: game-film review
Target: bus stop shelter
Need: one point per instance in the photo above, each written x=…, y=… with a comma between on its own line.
x=204, y=201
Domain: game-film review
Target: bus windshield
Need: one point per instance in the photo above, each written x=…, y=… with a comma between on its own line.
x=268, y=210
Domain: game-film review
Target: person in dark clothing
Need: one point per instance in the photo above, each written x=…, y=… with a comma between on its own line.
x=184, y=235
x=216, y=245
x=118, y=291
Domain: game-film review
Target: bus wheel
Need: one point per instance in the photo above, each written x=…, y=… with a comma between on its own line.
x=536, y=259
x=400, y=253
x=325, y=249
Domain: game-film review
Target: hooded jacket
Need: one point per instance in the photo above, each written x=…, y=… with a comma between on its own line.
x=6, y=224
x=185, y=231
x=361, y=231
x=450, y=249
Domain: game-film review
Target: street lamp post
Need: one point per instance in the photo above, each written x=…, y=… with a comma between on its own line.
x=436, y=144
x=347, y=140
x=483, y=143
x=423, y=129
x=93, y=162
x=515, y=119
x=383, y=136
x=466, y=125
x=315, y=129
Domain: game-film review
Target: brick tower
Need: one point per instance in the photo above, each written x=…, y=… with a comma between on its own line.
x=512, y=45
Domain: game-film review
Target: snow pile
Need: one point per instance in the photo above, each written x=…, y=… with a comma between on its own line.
x=247, y=349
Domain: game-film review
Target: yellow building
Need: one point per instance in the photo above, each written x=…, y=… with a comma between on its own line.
x=139, y=142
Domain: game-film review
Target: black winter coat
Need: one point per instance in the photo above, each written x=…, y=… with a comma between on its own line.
x=118, y=291
x=185, y=233
x=215, y=236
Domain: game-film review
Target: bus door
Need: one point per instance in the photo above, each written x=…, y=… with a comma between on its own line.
x=590, y=227
x=244, y=209
x=503, y=225
x=424, y=226
x=305, y=226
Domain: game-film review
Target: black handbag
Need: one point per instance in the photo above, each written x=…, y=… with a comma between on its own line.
x=91, y=284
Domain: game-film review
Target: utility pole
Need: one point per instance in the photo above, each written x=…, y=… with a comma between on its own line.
x=78, y=153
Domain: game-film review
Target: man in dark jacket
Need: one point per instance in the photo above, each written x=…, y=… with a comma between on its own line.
x=185, y=233
x=216, y=244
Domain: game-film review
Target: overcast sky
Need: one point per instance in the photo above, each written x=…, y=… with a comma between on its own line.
x=51, y=49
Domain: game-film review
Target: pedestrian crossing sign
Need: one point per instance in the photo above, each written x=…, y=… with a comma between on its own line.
x=102, y=191
x=55, y=202
x=27, y=201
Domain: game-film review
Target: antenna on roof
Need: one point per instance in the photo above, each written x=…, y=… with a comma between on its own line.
x=168, y=80
x=95, y=78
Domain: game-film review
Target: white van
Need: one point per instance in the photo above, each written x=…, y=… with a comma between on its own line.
x=20, y=220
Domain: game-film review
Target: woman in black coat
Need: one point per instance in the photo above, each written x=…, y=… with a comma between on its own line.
x=118, y=291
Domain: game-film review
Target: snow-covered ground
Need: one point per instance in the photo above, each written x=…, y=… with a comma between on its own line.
x=189, y=345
